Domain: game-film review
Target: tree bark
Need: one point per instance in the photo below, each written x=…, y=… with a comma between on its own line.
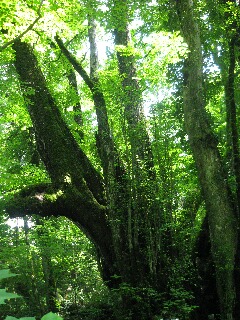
x=77, y=190
x=98, y=206
x=232, y=129
x=222, y=221
x=232, y=33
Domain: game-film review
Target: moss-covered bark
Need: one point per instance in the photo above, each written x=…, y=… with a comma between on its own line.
x=78, y=191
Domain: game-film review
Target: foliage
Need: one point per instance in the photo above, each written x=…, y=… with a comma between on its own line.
x=178, y=304
x=48, y=316
x=130, y=126
x=55, y=246
x=5, y=295
x=5, y=273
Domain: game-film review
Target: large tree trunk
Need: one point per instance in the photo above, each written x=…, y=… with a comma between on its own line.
x=221, y=217
x=77, y=190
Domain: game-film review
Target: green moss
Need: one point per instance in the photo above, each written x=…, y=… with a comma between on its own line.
x=54, y=196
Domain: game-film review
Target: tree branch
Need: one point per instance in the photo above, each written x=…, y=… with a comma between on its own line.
x=76, y=65
x=62, y=156
x=104, y=140
x=44, y=200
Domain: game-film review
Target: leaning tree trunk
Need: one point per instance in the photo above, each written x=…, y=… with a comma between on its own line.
x=222, y=221
x=78, y=191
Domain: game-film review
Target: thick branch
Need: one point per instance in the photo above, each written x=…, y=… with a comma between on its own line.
x=59, y=151
x=44, y=200
x=76, y=65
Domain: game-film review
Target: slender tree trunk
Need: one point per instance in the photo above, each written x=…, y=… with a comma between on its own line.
x=45, y=256
x=221, y=217
x=144, y=220
x=232, y=128
x=132, y=93
x=233, y=144
x=112, y=168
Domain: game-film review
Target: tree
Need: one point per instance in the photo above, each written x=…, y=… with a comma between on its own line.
x=221, y=215
x=115, y=191
x=81, y=186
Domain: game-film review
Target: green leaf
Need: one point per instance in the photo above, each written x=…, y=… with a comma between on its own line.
x=6, y=295
x=25, y=318
x=6, y=273
x=51, y=316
